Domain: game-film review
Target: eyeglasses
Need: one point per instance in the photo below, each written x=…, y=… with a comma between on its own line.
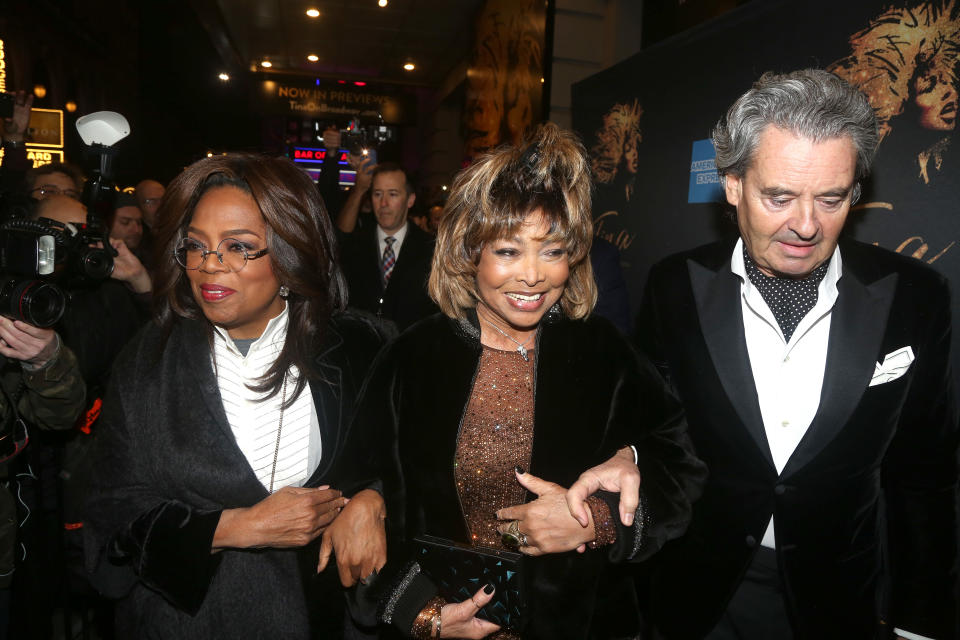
x=54, y=190
x=231, y=253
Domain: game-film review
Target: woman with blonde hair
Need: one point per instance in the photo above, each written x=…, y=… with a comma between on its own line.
x=508, y=395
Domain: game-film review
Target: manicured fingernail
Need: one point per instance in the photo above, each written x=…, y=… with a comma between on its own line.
x=627, y=519
x=325, y=486
x=519, y=470
x=488, y=589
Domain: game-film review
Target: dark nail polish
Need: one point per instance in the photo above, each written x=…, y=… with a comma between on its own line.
x=520, y=470
x=488, y=589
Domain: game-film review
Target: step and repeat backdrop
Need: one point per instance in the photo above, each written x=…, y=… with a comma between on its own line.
x=647, y=121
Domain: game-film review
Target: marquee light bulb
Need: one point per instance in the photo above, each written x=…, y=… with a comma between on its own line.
x=313, y=13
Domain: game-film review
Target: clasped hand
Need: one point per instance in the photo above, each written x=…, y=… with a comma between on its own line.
x=546, y=522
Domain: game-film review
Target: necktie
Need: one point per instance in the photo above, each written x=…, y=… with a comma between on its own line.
x=389, y=259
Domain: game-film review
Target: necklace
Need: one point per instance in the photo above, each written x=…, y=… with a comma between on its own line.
x=521, y=346
x=276, y=449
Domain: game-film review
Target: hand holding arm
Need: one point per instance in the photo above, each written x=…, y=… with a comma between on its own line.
x=619, y=474
x=546, y=522
x=290, y=517
x=358, y=537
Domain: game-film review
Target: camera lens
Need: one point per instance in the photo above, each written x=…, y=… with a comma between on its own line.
x=95, y=264
x=33, y=301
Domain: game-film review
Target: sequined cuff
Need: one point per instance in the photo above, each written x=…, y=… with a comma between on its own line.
x=641, y=525
x=603, y=524
x=427, y=623
x=398, y=590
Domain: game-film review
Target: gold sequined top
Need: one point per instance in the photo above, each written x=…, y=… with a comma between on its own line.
x=496, y=436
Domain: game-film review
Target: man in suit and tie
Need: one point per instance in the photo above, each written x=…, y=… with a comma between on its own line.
x=387, y=264
x=815, y=373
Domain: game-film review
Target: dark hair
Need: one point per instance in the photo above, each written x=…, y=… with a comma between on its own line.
x=810, y=103
x=302, y=252
x=68, y=170
x=391, y=167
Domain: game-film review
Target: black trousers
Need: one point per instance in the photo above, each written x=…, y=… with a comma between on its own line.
x=757, y=610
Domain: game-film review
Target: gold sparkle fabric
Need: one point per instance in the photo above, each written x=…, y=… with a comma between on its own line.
x=496, y=436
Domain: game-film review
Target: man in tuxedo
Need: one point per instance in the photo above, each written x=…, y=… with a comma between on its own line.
x=387, y=264
x=815, y=373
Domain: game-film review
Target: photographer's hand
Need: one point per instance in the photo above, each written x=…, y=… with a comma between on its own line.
x=15, y=126
x=128, y=268
x=30, y=345
x=331, y=138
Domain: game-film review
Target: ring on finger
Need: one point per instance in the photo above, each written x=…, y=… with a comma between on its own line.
x=523, y=540
x=514, y=527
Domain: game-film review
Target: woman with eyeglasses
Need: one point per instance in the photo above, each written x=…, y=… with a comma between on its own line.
x=222, y=455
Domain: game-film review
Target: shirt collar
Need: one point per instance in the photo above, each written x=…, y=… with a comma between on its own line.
x=400, y=234
x=275, y=333
x=827, y=286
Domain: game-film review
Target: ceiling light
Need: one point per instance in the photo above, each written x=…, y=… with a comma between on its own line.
x=223, y=77
x=71, y=106
x=313, y=13
x=409, y=66
x=382, y=3
x=313, y=57
x=39, y=90
x=266, y=64
x=209, y=154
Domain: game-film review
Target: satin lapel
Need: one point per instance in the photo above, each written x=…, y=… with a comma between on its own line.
x=717, y=294
x=328, y=395
x=856, y=329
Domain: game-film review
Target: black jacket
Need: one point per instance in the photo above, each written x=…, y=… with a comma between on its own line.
x=865, y=509
x=168, y=464
x=405, y=299
x=593, y=395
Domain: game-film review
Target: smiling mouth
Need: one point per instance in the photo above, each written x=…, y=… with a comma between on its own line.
x=214, y=292
x=533, y=297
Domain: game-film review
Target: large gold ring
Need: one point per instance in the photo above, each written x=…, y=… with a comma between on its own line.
x=511, y=538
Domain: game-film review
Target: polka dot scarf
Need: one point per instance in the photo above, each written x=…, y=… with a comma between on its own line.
x=789, y=299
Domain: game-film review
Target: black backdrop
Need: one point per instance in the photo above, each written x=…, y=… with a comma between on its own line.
x=660, y=102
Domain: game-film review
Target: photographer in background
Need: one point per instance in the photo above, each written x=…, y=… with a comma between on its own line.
x=40, y=385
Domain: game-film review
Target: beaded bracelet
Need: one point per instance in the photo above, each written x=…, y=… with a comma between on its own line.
x=427, y=623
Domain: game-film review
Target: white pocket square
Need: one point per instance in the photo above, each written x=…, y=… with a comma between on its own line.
x=894, y=365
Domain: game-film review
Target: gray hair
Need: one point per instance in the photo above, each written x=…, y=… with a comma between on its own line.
x=810, y=103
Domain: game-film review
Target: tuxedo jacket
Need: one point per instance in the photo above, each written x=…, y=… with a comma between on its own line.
x=404, y=300
x=168, y=464
x=865, y=510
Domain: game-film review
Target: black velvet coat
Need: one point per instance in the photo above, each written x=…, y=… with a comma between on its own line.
x=865, y=509
x=168, y=464
x=593, y=395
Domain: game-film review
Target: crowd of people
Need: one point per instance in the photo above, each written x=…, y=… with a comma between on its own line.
x=291, y=411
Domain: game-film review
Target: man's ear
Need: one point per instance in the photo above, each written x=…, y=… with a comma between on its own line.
x=411, y=198
x=733, y=186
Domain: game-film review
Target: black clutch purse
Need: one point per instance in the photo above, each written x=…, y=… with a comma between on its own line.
x=459, y=571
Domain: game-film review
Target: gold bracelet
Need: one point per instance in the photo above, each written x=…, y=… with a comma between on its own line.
x=425, y=624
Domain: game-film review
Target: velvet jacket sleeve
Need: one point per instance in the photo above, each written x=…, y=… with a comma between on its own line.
x=129, y=524
x=919, y=476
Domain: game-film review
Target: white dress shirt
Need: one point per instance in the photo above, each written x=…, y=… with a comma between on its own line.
x=788, y=375
x=255, y=421
x=382, y=240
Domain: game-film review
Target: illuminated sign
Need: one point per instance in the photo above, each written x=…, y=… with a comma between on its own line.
x=308, y=154
x=40, y=157
x=45, y=128
x=3, y=67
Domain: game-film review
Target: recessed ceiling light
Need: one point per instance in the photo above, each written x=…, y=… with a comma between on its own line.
x=266, y=64
x=223, y=77
x=313, y=57
x=382, y=3
x=313, y=13
x=409, y=66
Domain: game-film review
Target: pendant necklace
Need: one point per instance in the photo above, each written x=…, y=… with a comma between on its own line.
x=276, y=449
x=521, y=346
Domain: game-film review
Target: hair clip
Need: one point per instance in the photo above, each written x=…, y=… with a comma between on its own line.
x=530, y=157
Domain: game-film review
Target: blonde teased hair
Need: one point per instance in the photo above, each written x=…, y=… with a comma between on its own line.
x=492, y=198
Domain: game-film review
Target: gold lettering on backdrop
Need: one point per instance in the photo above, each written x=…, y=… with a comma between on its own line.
x=622, y=239
x=921, y=249
x=3, y=67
